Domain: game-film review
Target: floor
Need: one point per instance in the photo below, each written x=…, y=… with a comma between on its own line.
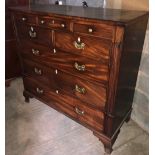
x=36, y=129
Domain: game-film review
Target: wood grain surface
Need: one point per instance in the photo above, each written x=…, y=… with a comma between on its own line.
x=83, y=65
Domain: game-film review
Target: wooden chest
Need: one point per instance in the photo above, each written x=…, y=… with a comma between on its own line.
x=82, y=62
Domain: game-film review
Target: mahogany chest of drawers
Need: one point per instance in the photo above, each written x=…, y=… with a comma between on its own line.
x=82, y=62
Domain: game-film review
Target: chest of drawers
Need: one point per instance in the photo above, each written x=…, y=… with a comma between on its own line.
x=82, y=62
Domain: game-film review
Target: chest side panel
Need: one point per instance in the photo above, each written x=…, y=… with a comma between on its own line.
x=129, y=62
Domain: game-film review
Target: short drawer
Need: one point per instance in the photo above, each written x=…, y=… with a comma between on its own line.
x=66, y=104
x=35, y=50
x=96, y=29
x=34, y=34
x=39, y=72
x=55, y=23
x=89, y=116
x=89, y=46
x=88, y=92
x=79, y=66
x=25, y=18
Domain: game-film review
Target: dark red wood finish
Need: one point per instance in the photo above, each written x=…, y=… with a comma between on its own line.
x=94, y=95
x=12, y=65
x=66, y=104
x=95, y=48
x=43, y=36
x=84, y=65
x=132, y=46
x=93, y=69
x=94, y=29
x=54, y=23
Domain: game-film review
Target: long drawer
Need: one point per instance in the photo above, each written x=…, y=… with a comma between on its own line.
x=66, y=104
x=90, y=93
x=89, y=46
x=79, y=66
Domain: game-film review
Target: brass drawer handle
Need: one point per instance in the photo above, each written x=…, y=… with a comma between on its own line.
x=39, y=91
x=53, y=21
x=63, y=25
x=78, y=44
x=37, y=71
x=24, y=19
x=80, y=90
x=35, y=52
x=79, y=67
x=57, y=91
x=54, y=51
x=56, y=71
x=32, y=33
x=90, y=30
x=42, y=21
x=78, y=111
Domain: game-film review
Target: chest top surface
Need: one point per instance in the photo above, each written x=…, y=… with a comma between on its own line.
x=115, y=15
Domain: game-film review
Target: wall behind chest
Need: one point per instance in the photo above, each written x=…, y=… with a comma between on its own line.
x=98, y=3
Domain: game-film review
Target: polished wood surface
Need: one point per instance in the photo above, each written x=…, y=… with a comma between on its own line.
x=25, y=18
x=39, y=72
x=34, y=50
x=73, y=108
x=94, y=29
x=94, y=71
x=129, y=68
x=39, y=35
x=100, y=49
x=122, y=16
x=85, y=68
x=55, y=23
x=94, y=95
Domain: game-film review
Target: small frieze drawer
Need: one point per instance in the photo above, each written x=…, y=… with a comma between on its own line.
x=53, y=22
x=95, y=29
x=25, y=18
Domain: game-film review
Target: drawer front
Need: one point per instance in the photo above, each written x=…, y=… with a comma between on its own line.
x=35, y=50
x=92, y=47
x=92, y=94
x=55, y=23
x=25, y=18
x=35, y=34
x=79, y=66
x=85, y=91
x=66, y=104
x=61, y=102
x=89, y=116
x=39, y=73
x=96, y=29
